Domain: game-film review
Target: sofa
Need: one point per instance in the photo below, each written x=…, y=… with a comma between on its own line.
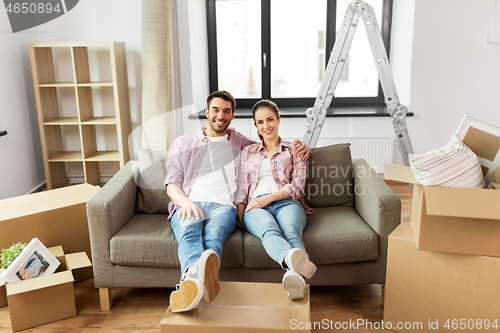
x=133, y=244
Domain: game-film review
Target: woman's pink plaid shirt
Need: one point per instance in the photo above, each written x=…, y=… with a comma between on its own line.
x=289, y=172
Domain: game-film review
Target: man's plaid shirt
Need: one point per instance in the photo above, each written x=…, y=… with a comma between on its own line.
x=186, y=154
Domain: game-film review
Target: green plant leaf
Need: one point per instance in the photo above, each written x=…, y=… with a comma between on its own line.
x=10, y=254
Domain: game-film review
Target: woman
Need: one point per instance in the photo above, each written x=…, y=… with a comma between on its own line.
x=271, y=205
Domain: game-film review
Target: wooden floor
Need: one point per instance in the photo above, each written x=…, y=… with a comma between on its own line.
x=140, y=310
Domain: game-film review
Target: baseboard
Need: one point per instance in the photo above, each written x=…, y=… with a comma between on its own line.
x=40, y=188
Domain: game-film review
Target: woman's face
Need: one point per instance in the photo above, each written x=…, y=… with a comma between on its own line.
x=267, y=123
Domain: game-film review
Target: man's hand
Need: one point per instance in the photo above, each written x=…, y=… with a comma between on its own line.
x=303, y=150
x=260, y=202
x=239, y=219
x=187, y=206
x=186, y=210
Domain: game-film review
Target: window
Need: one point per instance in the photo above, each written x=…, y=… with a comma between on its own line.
x=278, y=49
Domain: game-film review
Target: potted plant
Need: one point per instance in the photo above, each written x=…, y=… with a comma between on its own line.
x=10, y=254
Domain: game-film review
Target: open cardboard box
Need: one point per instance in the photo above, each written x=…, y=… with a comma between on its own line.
x=3, y=293
x=455, y=220
x=243, y=307
x=427, y=290
x=55, y=217
x=47, y=298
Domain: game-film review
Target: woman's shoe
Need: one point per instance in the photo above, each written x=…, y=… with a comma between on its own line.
x=298, y=260
x=295, y=284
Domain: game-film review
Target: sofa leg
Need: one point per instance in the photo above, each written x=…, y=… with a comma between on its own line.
x=106, y=300
x=383, y=295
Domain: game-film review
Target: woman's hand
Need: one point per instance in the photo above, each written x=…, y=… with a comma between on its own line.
x=259, y=202
x=302, y=150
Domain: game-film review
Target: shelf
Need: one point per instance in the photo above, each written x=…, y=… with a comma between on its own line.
x=100, y=121
x=96, y=102
x=57, y=84
x=75, y=121
x=99, y=172
x=57, y=102
x=104, y=156
x=67, y=156
x=73, y=84
x=63, y=174
x=63, y=121
x=96, y=84
x=83, y=108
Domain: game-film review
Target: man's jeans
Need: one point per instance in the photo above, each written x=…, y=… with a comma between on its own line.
x=279, y=225
x=196, y=236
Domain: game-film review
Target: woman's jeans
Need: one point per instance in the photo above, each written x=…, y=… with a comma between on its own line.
x=279, y=225
x=196, y=236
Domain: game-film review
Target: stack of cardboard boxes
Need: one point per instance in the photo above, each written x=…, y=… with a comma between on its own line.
x=47, y=298
x=443, y=267
x=57, y=217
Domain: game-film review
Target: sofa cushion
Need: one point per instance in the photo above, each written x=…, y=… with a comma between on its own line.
x=148, y=240
x=333, y=235
x=329, y=177
x=151, y=195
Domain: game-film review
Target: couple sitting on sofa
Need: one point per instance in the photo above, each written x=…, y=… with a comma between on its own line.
x=213, y=190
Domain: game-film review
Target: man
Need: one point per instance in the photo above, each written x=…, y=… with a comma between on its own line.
x=201, y=182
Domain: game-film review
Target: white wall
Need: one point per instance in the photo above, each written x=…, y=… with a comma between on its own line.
x=403, y=15
x=455, y=71
x=21, y=166
x=21, y=163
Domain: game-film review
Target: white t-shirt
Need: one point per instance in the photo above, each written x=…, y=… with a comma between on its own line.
x=266, y=183
x=216, y=179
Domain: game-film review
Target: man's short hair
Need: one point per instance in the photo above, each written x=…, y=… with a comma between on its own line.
x=224, y=95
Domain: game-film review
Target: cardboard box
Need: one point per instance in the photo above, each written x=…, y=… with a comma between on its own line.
x=243, y=307
x=47, y=298
x=79, y=264
x=433, y=288
x=55, y=217
x=454, y=220
x=3, y=293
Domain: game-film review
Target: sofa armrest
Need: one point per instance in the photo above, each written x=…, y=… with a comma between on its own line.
x=107, y=212
x=378, y=205
x=374, y=200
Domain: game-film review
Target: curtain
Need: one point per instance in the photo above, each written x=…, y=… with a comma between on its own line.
x=158, y=116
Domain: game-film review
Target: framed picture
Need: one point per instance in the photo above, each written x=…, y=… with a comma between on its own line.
x=484, y=140
x=35, y=260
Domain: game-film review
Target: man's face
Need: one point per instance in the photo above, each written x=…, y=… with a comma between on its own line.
x=219, y=116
